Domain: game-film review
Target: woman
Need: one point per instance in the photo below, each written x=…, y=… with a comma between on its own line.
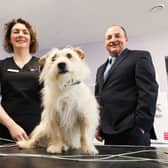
x=20, y=107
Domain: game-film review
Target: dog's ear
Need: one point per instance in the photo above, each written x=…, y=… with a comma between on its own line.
x=42, y=61
x=80, y=52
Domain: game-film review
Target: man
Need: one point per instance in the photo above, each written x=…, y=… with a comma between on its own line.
x=127, y=96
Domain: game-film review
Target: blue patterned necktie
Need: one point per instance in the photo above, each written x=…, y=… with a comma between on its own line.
x=108, y=67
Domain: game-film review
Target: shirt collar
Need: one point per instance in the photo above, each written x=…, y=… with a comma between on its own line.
x=109, y=57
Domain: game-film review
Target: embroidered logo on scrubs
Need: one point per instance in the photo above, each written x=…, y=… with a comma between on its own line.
x=33, y=69
x=13, y=70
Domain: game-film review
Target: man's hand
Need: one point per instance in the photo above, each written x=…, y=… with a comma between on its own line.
x=142, y=130
x=97, y=136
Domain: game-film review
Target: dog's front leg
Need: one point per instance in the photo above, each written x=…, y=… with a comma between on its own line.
x=55, y=144
x=86, y=144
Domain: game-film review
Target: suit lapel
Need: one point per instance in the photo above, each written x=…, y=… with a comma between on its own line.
x=118, y=61
x=101, y=72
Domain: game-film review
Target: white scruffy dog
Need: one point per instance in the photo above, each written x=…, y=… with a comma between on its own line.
x=71, y=113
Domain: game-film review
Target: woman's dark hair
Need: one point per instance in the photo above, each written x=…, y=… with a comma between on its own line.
x=7, y=35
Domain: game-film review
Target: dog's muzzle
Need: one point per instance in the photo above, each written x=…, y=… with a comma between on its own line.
x=62, y=67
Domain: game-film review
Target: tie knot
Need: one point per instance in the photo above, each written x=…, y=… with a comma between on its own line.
x=111, y=60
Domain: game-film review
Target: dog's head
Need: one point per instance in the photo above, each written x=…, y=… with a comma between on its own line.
x=63, y=65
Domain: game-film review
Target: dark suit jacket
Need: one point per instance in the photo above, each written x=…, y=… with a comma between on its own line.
x=128, y=97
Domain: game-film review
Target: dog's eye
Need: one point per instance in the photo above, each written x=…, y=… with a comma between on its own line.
x=53, y=58
x=69, y=55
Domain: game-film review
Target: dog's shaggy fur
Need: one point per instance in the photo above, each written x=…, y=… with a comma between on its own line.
x=70, y=116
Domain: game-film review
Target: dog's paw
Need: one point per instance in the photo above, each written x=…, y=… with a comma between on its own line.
x=54, y=149
x=91, y=150
x=25, y=144
x=65, y=147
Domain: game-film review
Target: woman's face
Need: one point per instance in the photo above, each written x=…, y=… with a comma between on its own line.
x=20, y=36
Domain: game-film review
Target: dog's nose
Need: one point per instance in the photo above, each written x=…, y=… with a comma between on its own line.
x=62, y=65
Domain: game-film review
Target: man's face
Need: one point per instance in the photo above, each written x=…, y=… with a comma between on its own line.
x=115, y=40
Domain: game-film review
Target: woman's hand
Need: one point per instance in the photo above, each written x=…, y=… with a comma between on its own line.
x=17, y=133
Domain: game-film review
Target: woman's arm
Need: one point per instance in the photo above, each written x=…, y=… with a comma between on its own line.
x=17, y=133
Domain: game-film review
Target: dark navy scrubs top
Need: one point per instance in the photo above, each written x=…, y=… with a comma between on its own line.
x=20, y=93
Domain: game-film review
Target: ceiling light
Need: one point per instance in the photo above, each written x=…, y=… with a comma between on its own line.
x=157, y=8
